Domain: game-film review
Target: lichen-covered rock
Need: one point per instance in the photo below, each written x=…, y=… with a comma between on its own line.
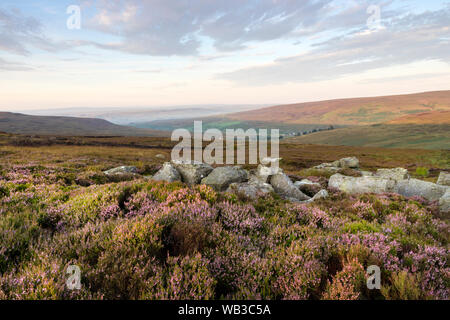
x=357, y=185
x=167, y=173
x=220, y=178
x=350, y=162
x=444, y=202
x=121, y=170
x=284, y=187
x=322, y=194
x=308, y=187
x=415, y=187
x=444, y=179
x=192, y=172
x=251, y=189
x=395, y=174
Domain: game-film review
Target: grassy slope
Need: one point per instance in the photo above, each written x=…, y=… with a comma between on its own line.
x=426, y=136
x=44, y=125
x=357, y=111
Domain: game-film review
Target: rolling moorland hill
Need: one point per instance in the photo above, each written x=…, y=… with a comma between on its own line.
x=356, y=111
x=71, y=126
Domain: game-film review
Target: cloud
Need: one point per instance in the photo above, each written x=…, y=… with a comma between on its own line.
x=13, y=66
x=160, y=27
x=18, y=33
x=405, y=39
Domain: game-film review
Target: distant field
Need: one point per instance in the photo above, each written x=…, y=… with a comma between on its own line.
x=427, y=136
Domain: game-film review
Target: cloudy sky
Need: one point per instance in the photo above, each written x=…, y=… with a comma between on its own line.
x=134, y=53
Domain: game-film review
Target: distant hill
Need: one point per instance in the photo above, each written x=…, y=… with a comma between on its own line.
x=436, y=117
x=68, y=126
x=356, y=111
x=417, y=136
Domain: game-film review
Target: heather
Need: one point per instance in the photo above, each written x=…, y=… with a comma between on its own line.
x=141, y=239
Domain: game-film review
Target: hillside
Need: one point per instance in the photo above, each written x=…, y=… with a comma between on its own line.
x=424, y=136
x=46, y=125
x=436, y=117
x=356, y=111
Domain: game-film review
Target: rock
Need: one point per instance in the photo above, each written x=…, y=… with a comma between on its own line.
x=395, y=174
x=167, y=173
x=366, y=173
x=220, y=178
x=121, y=170
x=270, y=161
x=160, y=156
x=192, y=172
x=308, y=187
x=444, y=179
x=350, y=162
x=424, y=189
x=444, y=202
x=263, y=173
x=322, y=194
x=284, y=187
x=303, y=182
x=329, y=167
x=251, y=189
x=357, y=185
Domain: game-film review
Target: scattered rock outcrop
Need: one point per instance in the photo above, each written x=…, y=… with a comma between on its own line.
x=121, y=171
x=344, y=163
x=220, y=178
x=444, y=202
x=192, y=172
x=167, y=173
x=357, y=185
x=395, y=174
x=394, y=181
x=415, y=187
x=284, y=186
x=444, y=179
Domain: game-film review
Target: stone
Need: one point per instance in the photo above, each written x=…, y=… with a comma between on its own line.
x=366, y=173
x=444, y=179
x=415, y=187
x=167, y=173
x=308, y=187
x=284, y=187
x=251, y=189
x=160, y=156
x=322, y=194
x=350, y=162
x=263, y=173
x=358, y=185
x=395, y=174
x=444, y=202
x=220, y=178
x=192, y=172
x=121, y=170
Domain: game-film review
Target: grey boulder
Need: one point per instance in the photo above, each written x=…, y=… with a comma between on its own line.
x=444, y=202
x=220, y=178
x=424, y=189
x=251, y=189
x=444, y=179
x=167, y=173
x=192, y=172
x=121, y=171
x=350, y=162
x=395, y=174
x=365, y=184
x=284, y=187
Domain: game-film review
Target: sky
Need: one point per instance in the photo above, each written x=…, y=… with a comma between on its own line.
x=142, y=53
